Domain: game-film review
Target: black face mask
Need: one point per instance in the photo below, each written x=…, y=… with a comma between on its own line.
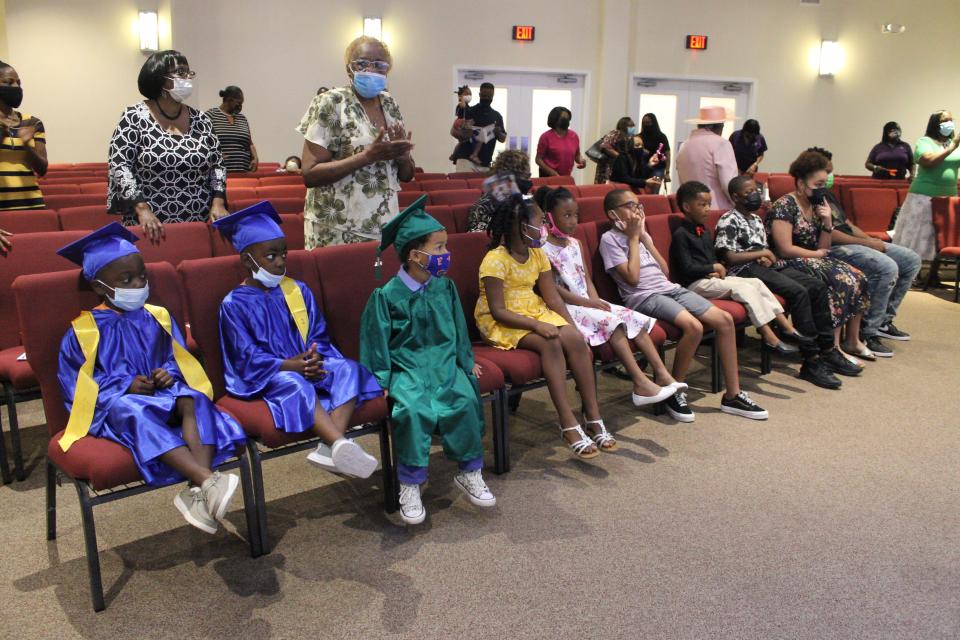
x=819, y=196
x=563, y=123
x=753, y=202
x=12, y=95
x=485, y=102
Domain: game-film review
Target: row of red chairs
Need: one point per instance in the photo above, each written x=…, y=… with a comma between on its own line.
x=946, y=220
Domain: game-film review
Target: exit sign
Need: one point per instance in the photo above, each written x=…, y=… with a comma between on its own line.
x=524, y=33
x=696, y=42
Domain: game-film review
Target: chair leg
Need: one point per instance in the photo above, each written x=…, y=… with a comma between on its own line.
x=256, y=470
x=4, y=465
x=956, y=280
x=715, y=382
x=499, y=406
x=766, y=366
x=250, y=508
x=51, y=501
x=90, y=539
x=391, y=484
x=14, y=431
x=505, y=428
x=933, y=273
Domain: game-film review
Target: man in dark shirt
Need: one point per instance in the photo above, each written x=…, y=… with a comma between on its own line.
x=749, y=146
x=482, y=115
x=695, y=265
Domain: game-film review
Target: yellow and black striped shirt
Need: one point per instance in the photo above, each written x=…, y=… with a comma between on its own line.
x=18, y=183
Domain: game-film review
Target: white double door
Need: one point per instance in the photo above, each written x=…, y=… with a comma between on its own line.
x=675, y=100
x=524, y=99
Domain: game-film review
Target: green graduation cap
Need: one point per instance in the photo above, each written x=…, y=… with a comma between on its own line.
x=410, y=224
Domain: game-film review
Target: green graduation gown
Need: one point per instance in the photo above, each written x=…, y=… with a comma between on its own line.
x=417, y=345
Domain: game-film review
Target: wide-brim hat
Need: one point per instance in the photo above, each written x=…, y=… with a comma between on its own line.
x=712, y=115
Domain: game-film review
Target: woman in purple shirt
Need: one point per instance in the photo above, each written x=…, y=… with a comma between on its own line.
x=891, y=158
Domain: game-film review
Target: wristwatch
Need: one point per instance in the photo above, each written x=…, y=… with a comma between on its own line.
x=828, y=229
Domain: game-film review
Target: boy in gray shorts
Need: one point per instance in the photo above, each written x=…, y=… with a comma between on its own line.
x=632, y=260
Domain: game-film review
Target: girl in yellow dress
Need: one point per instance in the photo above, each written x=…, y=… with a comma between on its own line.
x=511, y=315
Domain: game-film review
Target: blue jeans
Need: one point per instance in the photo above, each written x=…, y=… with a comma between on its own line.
x=888, y=278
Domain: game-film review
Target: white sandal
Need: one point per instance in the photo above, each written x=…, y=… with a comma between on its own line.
x=604, y=437
x=582, y=445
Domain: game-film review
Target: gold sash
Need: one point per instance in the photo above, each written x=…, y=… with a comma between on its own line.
x=298, y=308
x=86, y=392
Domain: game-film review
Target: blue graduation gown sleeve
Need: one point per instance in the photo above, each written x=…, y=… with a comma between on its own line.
x=247, y=368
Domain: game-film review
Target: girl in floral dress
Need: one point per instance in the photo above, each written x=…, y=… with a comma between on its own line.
x=597, y=320
x=799, y=225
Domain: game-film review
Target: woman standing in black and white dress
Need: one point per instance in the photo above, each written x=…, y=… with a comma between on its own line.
x=165, y=163
x=233, y=131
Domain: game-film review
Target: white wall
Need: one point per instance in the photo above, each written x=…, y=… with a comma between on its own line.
x=79, y=61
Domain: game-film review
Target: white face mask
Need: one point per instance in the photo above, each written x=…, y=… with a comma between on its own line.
x=182, y=88
x=266, y=278
x=128, y=299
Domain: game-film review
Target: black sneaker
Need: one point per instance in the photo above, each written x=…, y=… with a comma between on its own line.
x=742, y=405
x=879, y=349
x=817, y=373
x=676, y=405
x=835, y=361
x=890, y=332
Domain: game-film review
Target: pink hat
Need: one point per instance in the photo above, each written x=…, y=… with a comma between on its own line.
x=712, y=115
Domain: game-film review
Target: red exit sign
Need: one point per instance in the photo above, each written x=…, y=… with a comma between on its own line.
x=696, y=42
x=524, y=33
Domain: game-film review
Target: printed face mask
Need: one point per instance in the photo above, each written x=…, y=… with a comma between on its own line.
x=534, y=241
x=437, y=265
x=266, y=278
x=128, y=299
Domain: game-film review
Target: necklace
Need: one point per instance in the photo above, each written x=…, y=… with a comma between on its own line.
x=167, y=115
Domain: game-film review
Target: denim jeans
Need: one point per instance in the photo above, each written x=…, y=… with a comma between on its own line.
x=888, y=278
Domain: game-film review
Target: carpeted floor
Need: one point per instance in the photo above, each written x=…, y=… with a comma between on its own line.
x=837, y=518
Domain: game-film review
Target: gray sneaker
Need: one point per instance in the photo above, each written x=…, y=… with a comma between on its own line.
x=218, y=491
x=191, y=504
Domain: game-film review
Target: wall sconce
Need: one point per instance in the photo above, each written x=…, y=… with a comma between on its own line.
x=831, y=57
x=149, y=29
x=373, y=27
x=892, y=28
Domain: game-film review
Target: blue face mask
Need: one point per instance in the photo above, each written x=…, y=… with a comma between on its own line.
x=368, y=84
x=946, y=128
x=437, y=265
x=631, y=131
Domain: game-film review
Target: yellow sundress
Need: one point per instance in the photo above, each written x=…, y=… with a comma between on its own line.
x=518, y=295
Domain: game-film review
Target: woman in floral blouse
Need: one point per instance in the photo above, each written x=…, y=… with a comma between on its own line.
x=355, y=152
x=800, y=224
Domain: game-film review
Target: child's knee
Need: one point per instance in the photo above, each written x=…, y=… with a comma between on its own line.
x=689, y=325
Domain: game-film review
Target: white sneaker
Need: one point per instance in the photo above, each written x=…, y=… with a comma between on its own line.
x=218, y=491
x=411, y=508
x=472, y=484
x=350, y=459
x=322, y=457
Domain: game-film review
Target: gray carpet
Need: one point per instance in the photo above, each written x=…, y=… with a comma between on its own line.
x=837, y=518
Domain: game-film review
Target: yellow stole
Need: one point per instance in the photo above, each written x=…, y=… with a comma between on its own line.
x=298, y=308
x=86, y=391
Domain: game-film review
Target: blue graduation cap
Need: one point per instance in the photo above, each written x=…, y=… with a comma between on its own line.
x=257, y=223
x=96, y=250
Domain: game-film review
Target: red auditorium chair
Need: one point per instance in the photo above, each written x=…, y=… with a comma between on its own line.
x=674, y=207
x=290, y=223
x=443, y=185
x=413, y=185
x=75, y=200
x=282, y=205
x=29, y=221
x=420, y=176
x=654, y=205
x=946, y=219
x=88, y=217
x=872, y=209
x=591, y=209
x=31, y=253
x=99, y=188
x=92, y=166
x=246, y=183
x=596, y=190
x=181, y=241
x=407, y=198
x=241, y=193
x=458, y=196
x=553, y=181
x=278, y=179
x=902, y=195
x=206, y=283
x=459, y=175
x=67, y=180
x=475, y=183
x=282, y=191
x=461, y=216
x=101, y=470
x=444, y=216
x=60, y=189
x=780, y=185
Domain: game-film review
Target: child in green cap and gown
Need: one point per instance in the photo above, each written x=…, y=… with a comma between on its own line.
x=414, y=339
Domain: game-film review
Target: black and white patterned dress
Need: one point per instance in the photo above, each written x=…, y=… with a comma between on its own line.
x=178, y=176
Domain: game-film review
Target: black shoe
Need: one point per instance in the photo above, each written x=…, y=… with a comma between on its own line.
x=796, y=338
x=817, y=373
x=878, y=348
x=676, y=405
x=742, y=405
x=835, y=361
x=890, y=332
x=781, y=348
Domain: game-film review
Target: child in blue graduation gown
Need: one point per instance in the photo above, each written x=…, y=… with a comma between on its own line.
x=413, y=336
x=275, y=347
x=146, y=391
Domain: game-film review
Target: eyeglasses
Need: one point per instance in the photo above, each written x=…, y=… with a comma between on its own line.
x=186, y=74
x=630, y=204
x=378, y=66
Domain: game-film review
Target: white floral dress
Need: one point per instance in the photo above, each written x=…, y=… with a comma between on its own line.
x=354, y=208
x=596, y=325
